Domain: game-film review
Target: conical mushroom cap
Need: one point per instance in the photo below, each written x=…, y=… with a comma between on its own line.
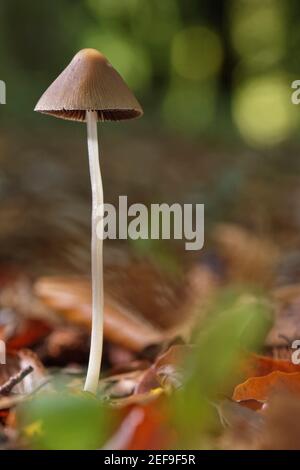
x=89, y=83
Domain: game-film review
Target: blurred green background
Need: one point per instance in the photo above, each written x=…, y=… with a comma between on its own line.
x=214, y=79
x=199, y=67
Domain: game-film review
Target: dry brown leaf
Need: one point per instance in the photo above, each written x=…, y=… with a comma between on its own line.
x=71, y=297
x=201, y=284
x=243, y=426
x=16, y=295
x=142, y=287
x=282, y=429
x=249, y=258
x=166, y=372
x=143, y=306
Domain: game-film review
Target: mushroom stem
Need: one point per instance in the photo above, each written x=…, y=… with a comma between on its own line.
x=94, y=366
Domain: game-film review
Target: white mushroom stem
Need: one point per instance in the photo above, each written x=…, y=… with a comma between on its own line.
x=94, y=366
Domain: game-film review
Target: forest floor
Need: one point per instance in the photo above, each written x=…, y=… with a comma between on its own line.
x=200, y=350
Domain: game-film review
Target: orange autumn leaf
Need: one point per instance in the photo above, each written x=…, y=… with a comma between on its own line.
x=258, y=366
x=143, y=426
x=153, y=431
x=30, y=332
x=260, y=388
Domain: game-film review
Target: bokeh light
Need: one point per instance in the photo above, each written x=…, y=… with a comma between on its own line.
x=166, y=18
x=190, y=63
x=258, y=31
x=196, y=53
x=263, y=112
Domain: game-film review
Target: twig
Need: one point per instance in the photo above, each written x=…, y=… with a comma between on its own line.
x=7, y=387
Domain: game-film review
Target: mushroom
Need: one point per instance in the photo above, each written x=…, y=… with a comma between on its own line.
x=91, y=90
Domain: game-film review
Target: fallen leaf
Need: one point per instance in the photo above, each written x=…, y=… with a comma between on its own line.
x=143, y=428
x=235, y=415
x=166, y=372
x=249, y=258
x=154, y=431
x=72, y=298
x=24, y=320
x=135, y=318
x=260, y=388
x=282, y=423
x=28, y=333
x=244, y=427
x=257, y=366
x=140, y=286
x=125, y=433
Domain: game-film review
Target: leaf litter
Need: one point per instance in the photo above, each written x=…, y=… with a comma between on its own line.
x=180, y=366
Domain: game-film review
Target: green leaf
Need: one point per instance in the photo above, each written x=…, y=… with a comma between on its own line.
x=64, y=421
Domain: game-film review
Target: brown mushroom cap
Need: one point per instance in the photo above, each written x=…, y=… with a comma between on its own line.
x=89, y=83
